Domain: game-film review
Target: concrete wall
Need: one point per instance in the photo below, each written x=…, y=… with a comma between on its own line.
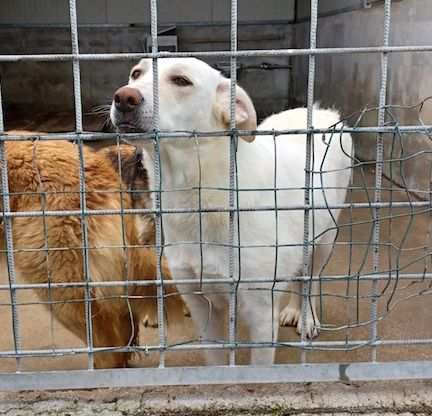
x=350, y=82
x=30, y=87
x=138, y=11
x=327, y=6
x=41, y=26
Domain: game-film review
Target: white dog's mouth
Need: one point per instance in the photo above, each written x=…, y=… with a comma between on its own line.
x=127, y=127
x=133, y=122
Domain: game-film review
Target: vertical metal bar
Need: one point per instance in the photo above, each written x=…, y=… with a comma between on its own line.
x=232, y=319
x=84, y=229
x=125, y=246
x=76, y=66
x=350, y=253
x=9, y=241
x=378, y=177
x=276, y=242
x=158, y=182
x=308, y=167
x=43, y=195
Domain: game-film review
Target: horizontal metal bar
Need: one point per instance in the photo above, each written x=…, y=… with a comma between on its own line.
x=165, y=134
x=287, y=373
x=219, y=345
x=204, y=243
x=213, y=281
x=214, y=54
x=142, y=26
x=135, y=211
x=214, y=188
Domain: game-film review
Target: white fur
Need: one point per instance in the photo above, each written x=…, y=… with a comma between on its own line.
x=193, y=108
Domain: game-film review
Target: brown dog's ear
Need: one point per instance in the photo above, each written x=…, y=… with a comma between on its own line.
x=133, y=173
x=245, y=114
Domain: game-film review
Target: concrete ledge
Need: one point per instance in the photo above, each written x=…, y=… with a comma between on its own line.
x=318, y=398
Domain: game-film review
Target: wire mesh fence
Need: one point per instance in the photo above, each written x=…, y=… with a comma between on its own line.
x=181, y=218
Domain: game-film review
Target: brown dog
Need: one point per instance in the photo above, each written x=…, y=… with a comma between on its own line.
x=45, y=176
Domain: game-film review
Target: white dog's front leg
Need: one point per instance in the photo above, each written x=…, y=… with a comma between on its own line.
x=209, y=321
x=263, y=323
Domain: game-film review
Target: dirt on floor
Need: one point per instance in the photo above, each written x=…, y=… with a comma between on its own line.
x=403, y=305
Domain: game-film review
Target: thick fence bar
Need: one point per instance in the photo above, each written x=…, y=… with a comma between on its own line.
x=93, y=136
x=259, y=279
x=233, y=184
x=379, y=175
x=215, y=54
x=82, y=187
x=158, y=182
x=125, y=249
x=289, y=373
x=9, y=239
x=300, y=207
x=317, y=346
x=309, y=163
x=281, y=279
x=46, y=249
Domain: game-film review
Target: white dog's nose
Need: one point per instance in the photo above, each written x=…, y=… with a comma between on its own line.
x=127, y=99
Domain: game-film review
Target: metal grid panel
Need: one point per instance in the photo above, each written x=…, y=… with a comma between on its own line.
x=304, y=371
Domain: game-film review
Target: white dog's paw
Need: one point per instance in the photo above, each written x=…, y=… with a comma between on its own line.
x=289, y=316
x=312, y=326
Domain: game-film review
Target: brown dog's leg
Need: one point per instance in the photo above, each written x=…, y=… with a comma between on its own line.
x=108, y=328
x=111, y=330
x=144, y=263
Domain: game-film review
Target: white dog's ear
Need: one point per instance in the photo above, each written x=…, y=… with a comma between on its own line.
x=145, y=64
x=245, y=114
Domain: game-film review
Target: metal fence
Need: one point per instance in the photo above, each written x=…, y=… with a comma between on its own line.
x=369, y=308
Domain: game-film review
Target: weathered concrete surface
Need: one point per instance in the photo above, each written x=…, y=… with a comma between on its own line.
x=321, y=399
x=107, y=12
x=48, y=86
x=347, y=82
x=351, y=82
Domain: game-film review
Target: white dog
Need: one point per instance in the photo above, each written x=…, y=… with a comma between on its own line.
x=194, y=96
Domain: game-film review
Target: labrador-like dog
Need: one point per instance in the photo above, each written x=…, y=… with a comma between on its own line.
x=270, y=175
x=44, y=176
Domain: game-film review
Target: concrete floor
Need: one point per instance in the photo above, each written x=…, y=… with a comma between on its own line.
x=332, y=399
x=409, y=319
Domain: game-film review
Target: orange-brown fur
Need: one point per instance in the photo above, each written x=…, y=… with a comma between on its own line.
x=47, y=176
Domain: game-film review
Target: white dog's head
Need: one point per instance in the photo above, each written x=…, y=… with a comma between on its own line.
x=192, y=96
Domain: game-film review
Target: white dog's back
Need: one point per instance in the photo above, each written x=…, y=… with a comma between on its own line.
x=257, y=170
x=330, y=155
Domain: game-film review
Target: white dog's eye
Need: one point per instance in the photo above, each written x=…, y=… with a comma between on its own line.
x=181, y=81
x=136, y=74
